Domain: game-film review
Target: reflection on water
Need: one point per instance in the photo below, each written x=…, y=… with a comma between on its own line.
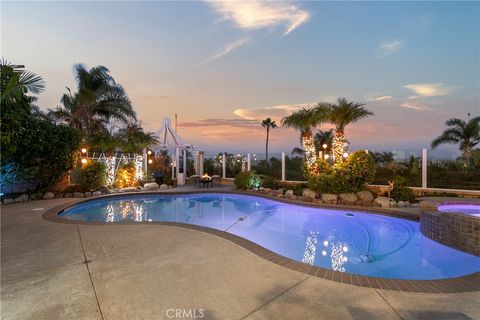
x=124, y=211
x=310, y=248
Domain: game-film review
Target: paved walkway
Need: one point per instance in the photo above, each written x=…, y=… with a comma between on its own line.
x=61, y=271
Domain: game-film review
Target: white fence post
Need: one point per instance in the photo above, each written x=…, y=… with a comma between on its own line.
x=224, y=167
x=184, y=163
x=283, y=166
x=424, y=168
x=248, y=162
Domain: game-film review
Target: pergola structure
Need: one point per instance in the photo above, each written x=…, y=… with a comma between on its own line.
x=170, y=140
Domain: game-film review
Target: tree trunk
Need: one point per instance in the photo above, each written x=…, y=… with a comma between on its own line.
x=266, y=146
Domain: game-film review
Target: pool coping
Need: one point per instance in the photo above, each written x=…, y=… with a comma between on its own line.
x=467, y=283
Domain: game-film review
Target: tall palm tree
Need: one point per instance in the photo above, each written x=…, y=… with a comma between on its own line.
x=97, y=101
x=305, y=120
x=465, y=134
x=268, y=123
x=342, y=114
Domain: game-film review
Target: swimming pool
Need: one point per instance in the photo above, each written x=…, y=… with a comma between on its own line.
x=346, y=241
x=470, y=209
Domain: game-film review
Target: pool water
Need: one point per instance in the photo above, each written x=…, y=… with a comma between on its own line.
x=345, y=241
x=470, y=209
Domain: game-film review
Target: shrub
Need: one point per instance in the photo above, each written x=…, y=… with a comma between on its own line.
x=362, y=168
x=247, y=180
x=349, y=176
x=45, y=152
x=93, y=175
x=400, y=193
x=269, y=182
x=336, y=182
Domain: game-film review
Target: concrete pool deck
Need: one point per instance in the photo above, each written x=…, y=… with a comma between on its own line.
x=66, y=271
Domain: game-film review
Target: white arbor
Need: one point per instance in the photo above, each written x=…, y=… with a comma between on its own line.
x=170, y=140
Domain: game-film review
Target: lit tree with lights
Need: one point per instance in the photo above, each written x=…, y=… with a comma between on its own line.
x=341, y=114
x=305, y=120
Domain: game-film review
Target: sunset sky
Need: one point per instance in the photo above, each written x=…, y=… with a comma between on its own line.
x=223, y=66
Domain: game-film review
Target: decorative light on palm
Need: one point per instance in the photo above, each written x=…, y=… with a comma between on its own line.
x=341, y=114
x=268, y=123
x=305, y=120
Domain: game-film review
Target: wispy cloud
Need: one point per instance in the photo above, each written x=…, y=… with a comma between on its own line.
x=261, y=14
x=229, y=48
x=274, y=112
x=219, y=122
x=250, y=15
x=429, y=89
x=387, y=48
x=415, y=106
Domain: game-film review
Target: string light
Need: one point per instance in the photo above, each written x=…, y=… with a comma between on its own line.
x=84, y=150
x=138, y=167
x=339, y=147
x=310, y=153
x=84, y=160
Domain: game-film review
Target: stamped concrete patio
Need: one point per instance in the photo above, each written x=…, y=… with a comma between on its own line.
x=64, y=271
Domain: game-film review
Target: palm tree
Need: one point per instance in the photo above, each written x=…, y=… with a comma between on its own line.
x=305, y=120
x=268, y=123
x=16, y=82
x=133, y=139
x=17, y=87
x=465, y=134
x=342, y=114
x=98, y=100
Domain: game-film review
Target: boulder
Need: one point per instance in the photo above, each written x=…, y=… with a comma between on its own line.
x=139, y=188
x=163, y=187
x=415, y=205
x=306, y=199
x=347, y=198
x=151, y=186
x=385, y=202
x=78, y=195
x=128, y=189
x=329, y=198
x=317, y=200
x=407, y=204
x=365, y=196
x=21, y=198
x=36, y=196
x=104, y=190
x=293, y=197
x=68, y=195
x=96, y=193
x=289, y=193
x=401, y=204
x=307, y=193
x=48, y=195
x=280, y=191
x=280, y=195
x=7, y=201
x=87, y=194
